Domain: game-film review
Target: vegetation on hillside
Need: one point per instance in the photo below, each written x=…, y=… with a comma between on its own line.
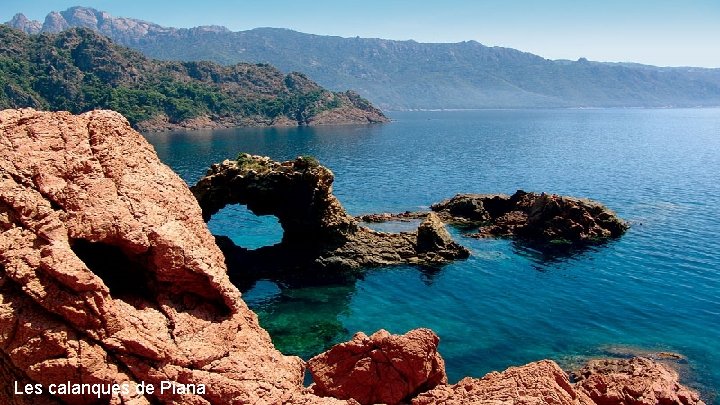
x=79, y=70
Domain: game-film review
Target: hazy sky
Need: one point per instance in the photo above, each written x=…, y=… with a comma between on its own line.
x=658, y=32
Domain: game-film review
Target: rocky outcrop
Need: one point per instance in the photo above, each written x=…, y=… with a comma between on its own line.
x=356, y=110
x=109, y=275
x=429, y=245
x=387, y=216
x=381, y=368
x=391, y=369
x=55, y=22
x=318, y=232
x=22, y=23
x=636, y=381
x=348, y=114
x=538, y=383
x=126, y=30
x=545, y=218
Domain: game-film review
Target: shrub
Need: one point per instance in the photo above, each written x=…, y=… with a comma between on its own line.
x=309, y=161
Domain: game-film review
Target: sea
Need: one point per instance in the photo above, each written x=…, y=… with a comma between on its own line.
x=655, y=289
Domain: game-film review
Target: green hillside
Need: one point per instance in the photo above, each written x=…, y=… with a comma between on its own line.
x=79, y=70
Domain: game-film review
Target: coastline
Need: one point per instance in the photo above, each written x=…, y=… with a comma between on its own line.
x=114, y=159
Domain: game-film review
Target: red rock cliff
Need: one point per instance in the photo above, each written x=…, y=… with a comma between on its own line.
x=109, y=274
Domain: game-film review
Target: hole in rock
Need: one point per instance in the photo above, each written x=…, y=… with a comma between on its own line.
x=246, y=229
x=123, y=275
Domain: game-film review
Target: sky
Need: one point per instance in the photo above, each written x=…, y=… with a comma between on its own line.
x=656, y=32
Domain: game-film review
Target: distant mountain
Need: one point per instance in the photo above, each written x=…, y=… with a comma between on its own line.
x=80, y=70
x=408, y=74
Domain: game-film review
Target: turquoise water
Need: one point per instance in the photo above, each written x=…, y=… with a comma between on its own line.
x=656, y=288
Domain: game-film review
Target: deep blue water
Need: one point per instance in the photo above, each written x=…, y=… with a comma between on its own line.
x=656, y=288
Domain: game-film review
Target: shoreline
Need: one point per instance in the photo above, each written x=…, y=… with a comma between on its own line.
x=177, y=312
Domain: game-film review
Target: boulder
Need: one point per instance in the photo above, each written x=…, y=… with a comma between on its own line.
x=433, y=237
x=635, y=381
x=381, y=368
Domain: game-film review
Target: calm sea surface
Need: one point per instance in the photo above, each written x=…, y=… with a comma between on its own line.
x=657, y=288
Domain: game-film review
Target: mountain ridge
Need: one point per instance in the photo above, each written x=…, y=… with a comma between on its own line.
x=400, y=75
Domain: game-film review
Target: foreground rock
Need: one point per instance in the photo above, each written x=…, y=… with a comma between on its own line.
x=109, y=275
x=545, y=218
x=636, y=381
x=317, y=230
x=382, y=368
x=538, y=383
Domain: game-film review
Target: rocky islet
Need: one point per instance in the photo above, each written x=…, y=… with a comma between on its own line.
x=545, y=220
x=540, y=217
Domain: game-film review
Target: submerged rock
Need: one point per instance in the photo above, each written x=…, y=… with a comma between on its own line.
x=545, y=218
x=318, y=232
x=381, y=368
x=636, y=381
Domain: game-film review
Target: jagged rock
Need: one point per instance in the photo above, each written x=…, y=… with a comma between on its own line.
x=466, y=207
x=318, y=232
x=22, y=23
x=109, y=275
x=432, y=235
x=532, y=216
x=381, y=368
x=538, y=383
x=55, y=22
x=636, y=381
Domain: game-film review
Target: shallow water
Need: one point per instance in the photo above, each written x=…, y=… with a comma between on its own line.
x=656, y=288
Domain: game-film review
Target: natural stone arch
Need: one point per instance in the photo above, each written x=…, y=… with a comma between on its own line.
x=298, y=193
x=318, y=232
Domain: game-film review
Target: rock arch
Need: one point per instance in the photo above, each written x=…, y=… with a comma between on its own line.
x=318, y=232
x=298, y=193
